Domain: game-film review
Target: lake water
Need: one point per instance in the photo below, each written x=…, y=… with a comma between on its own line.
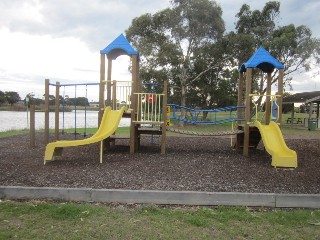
x=10, y=120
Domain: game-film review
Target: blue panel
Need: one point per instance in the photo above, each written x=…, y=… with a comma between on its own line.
x=263, y=60
x=119, y=46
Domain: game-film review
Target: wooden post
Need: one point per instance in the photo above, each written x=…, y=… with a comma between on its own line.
x=135, y=80
x=247, y=113
x=109, y=76
x=280, y=92
x=57, y=111
x=114, y=94
x=101, y=87
x=46, y=112
x=240, y=96
x=135, y=88
x=32, y=127
x=268, y=98
x=164, y=118
x=292, y=115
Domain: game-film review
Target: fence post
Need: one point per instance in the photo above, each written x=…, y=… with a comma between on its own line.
x=56, y=115
x=46, y=112
x=32, y=126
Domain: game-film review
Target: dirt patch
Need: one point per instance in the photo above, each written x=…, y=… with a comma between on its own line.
x=192, y=164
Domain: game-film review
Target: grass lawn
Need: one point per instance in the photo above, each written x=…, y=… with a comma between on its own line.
x=39, y=220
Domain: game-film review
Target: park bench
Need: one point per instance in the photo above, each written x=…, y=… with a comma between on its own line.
x=295, y=120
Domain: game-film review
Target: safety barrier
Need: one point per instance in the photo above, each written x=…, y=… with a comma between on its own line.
x=212, y=118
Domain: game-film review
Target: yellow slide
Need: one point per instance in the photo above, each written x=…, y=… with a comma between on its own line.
x=108, y=126
x=275, y=145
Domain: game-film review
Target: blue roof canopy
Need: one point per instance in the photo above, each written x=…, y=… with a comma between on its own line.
x=119, y=46
x=263, y=60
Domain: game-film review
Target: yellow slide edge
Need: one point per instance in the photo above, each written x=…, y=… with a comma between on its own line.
x=274, y=143
x=109, y=124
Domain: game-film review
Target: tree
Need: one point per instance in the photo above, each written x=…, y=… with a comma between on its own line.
x=12, y=97
x=292, y=46
x=168, y=40
x=2, y=98
x=214, y=87
x=37, y=101
x=79, y=101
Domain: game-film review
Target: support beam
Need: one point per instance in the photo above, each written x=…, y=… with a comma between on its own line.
x=164, y=118
x=240, y=96
x=247, y=113
x=268, y=98
x=108, y=83
x=46, y=112
x=56, y=112
x=292, y=115
x=135, y=89
x=280, y=92
x=101, y=86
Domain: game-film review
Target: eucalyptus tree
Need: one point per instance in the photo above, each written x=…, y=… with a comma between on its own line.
x=169, y=39
x=292, y=45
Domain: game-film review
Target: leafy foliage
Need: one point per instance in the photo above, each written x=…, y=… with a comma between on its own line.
x=291, y=45
x=2, y=97
x=170, y=39
x=12, y=97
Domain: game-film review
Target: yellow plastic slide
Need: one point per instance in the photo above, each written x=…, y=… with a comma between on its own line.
x=108, y=126
x=275, y=145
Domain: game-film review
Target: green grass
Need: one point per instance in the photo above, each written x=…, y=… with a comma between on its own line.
x=13, y=132
x=34, y=220
x=120, y=130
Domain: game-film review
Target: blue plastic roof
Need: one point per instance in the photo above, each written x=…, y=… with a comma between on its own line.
x=263, y=60
x=119, y=46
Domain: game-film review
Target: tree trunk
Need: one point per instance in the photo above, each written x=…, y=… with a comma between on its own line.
x=204, y=116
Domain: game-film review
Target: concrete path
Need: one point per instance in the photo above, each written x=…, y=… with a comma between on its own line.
x=162, y=197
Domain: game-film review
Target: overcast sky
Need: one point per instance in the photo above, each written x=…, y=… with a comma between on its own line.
x=61, y=40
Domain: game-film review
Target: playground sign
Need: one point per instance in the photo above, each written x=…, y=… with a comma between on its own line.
x=168, y=116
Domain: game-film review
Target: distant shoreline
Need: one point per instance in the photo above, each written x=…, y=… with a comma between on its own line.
x=22, y=108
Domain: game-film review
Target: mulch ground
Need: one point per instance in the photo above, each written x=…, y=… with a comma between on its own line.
x=191, y=164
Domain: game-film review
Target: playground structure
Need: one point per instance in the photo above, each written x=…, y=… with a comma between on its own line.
x=150, y=108
x=144, y=108
x=109, y=124
x=125, y=96
x=57, y=109
x=270, y=132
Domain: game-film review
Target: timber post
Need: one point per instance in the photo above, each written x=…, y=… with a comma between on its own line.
x=247, y=113
x=57, y=111
x=46, y=112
